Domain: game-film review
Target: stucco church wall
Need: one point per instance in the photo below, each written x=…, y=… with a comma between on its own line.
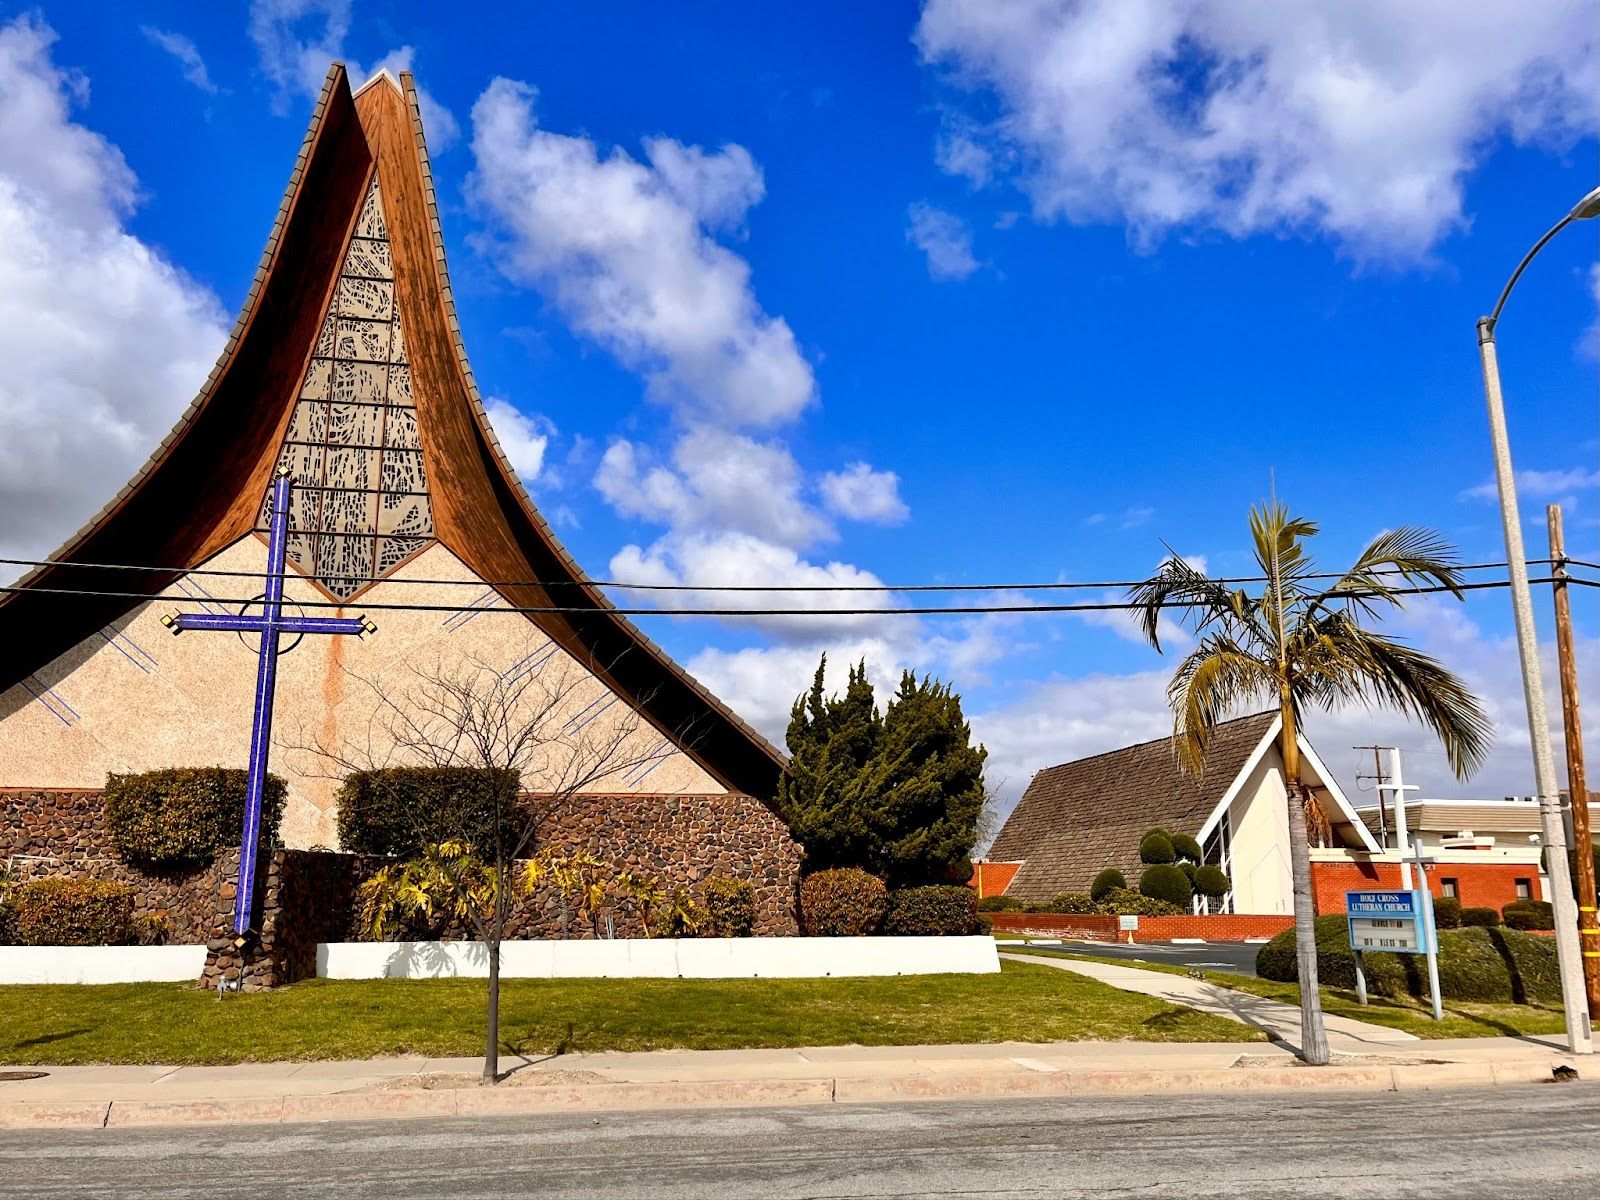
x=134, y=697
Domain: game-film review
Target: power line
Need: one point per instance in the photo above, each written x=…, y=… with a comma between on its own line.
x=619, y=585
x=543, y=610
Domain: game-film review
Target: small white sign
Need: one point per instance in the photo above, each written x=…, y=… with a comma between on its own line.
x=1127, y=924
x=1396, y=936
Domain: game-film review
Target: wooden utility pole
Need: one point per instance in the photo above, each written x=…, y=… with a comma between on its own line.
x=1577, y=784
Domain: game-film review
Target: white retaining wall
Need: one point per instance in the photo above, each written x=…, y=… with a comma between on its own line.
x=664, y=958
x=101, y=964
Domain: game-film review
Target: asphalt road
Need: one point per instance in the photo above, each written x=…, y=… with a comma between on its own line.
x=1238, y=958
x=1533, y=1141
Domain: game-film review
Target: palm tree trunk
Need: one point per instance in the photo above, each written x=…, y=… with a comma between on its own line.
x=1313, y=1033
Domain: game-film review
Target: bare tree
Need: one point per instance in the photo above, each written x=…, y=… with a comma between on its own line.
x=552, y=724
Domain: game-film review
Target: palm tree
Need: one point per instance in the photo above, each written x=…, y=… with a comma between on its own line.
x=1302, y=644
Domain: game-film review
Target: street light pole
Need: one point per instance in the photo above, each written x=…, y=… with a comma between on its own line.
x=1569, y=958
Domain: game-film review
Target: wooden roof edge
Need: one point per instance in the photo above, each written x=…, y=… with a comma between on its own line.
x=529, y=511
x=225, y=358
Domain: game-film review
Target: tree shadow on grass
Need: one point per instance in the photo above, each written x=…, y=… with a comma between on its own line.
x=46, y=1038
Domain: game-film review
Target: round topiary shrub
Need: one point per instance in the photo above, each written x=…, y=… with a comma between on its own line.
x=842, y=903
x=1163, y=881
x=1447, y=912
x=1155, y=847
x=727, y=907
x=940, y=910
x=73, y=912
x=1186, y=848
x=1123, y=901
x=1529, y=914
x=1480, y=918
x=1105, y=881
x=181, y=816
x=1212, y=882
x=999, y=904
x=1492, y=966
x=402, y=810
x=1073, y=904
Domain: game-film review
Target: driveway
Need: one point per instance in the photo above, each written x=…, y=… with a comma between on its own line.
x=1238, y=958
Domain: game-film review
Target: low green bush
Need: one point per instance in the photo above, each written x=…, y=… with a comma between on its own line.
x=1212, y=882
x=1155, y=848
x=938, y=910
x=1489, y=966
x=845, y=902
x=1105, y=881
x=403, y=810
x=727, y=907
x=1447, y=912
x=181, y=816
x=1475, y=917
x=1163, y=881
x=1125, y=902
x=1035, y=907
x=1074, y=904
x=1529, y=914
x=1186, y=848
x=73, y=912
x=999, y=904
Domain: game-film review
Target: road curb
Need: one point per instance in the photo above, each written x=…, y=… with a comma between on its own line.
x=615, y=1097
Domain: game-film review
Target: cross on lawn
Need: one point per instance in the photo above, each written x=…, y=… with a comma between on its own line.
x=271, y=624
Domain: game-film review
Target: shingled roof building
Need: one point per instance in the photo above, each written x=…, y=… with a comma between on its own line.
x=347, y=372
x=1078, y=818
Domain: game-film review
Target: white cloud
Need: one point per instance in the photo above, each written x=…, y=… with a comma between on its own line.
x=624, y=251
x=298, y=40
x=944, y=238
x=102, y=340
x=717, y=481
x=858, y=493
x=1540, y=485
x=733, y=559
x=186, y=52
x=1359, y=120
x=523, y=438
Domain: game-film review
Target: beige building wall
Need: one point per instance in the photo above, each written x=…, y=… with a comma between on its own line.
x=1259, y=823
x=134, y=697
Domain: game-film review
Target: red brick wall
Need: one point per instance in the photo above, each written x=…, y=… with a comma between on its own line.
x=1478, y=885
x=992, y=878
x=1096, y=928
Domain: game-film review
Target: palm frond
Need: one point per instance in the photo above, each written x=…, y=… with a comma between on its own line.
x=1211, y=684
x=1196, y=599
x=1407, y=556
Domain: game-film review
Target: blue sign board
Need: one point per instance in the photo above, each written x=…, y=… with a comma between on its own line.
x=1388, y=922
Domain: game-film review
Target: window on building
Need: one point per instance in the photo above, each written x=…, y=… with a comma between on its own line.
x=1450, y=888
x=1524, y=889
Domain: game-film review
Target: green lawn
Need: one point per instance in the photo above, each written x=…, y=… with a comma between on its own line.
x=176, y=1023
x=1461, y=1019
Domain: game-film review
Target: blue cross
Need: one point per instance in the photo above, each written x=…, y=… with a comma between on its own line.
x=271, y=624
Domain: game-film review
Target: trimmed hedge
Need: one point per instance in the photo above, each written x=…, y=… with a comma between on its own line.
x=181, y=816
x=1529, y=914
x=1164, y=881
x=1447, y=912
x=73, y=912
x=1123, y=901
x=1492, y=966
x=999, y=904
x=1212, y=882
x=842, y=903
x=1155, y=848
x=1480, y=918
x=1105, y=881
x=938, y=910
x=1186, y=848
x=403, y=810
x=1074, y=904
x=728, y=907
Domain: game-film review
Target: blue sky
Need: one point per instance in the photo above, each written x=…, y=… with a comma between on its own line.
x=975, y=291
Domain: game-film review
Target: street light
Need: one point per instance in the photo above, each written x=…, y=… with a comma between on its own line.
x=1579, y=1035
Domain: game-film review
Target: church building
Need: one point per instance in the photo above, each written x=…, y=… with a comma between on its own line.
x=346, y=373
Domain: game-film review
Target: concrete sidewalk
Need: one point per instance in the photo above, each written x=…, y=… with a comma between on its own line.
x=1279, y=1021
x=97, y=1097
